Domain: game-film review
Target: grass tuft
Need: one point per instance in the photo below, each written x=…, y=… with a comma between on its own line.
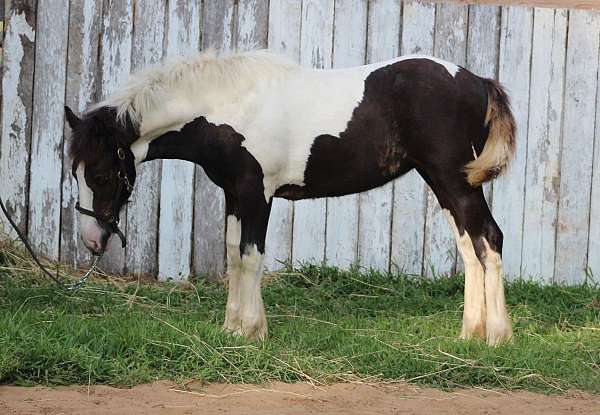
x=325, y=325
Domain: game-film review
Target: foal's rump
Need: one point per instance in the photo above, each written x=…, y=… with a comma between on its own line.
x=415, y=112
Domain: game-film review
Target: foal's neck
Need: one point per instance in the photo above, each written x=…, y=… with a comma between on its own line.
x=199, y=142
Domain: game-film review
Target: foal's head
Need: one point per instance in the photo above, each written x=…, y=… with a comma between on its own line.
x=104, y=167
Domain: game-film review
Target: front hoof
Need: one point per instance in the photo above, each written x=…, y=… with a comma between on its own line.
x=232, y=325
x=472, y=330
x=498, y=332
x=469, y=332
x=254, y=329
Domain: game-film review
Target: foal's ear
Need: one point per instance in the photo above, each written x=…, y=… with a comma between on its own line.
x=72, y=119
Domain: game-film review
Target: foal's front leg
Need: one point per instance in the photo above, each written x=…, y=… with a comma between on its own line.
x=234, y=271
x=253, y=320
x=245, y=313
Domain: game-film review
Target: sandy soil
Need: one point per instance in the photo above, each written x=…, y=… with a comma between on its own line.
x=567, y=4
x=284, y=399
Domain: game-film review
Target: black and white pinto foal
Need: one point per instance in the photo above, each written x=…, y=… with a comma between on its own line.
x=262, y=127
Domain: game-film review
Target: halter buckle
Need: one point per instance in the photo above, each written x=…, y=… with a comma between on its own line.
x=121, y=153
x=123, y=177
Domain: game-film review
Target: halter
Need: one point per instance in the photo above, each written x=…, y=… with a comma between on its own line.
x=111, y=220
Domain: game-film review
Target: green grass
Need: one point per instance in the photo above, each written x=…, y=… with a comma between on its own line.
x=324, y=326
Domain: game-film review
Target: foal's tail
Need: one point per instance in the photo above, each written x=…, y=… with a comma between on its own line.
x=499, y=146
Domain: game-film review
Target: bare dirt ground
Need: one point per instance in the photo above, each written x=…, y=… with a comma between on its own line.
x=166, y=398
x=567, y=4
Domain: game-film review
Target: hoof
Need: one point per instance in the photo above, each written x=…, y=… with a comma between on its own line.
x=473, y=326
x=232, y=323
x=472, y=331
x=254, y=329
x=498, y=332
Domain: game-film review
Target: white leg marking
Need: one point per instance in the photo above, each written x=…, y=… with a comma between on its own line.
x=498, y=324
x=234, y=269
x=254, y=322
x=474, y=313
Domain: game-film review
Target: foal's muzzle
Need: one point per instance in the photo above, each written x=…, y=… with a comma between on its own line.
x=109, y=223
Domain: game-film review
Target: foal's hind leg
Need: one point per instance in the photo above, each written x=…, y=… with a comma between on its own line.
x=479, y=240
x=474, y=313
x=475, y=220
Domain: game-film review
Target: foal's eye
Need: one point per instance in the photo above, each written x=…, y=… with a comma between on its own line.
x=101, y=179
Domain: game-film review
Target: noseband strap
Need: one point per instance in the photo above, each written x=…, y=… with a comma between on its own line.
x=112, y=220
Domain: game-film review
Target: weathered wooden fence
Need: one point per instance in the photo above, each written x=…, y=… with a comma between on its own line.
x=58, y=52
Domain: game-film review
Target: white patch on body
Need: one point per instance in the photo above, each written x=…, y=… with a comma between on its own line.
x=279, y=107
x=234, y=271
x=91, y=233
x=474, y=313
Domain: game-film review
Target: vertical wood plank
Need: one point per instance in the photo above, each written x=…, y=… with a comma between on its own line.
x=142, y=212
x=543, y=143
x=284, y=27
x=115, y=65
x=17, y=83
x=349, y=34
x=418, y=23
x=316, y=41
x=509, y=190
x=2, y=27
x=218, y=24
x=252, y=24
x=47, y=126
x=85, y=22
x=177, y=177
x=578, y=140
x=209, y=206
x=594, y=235
x=375, y=207
x=284, y=38
x=483, y=46
x=439, y=253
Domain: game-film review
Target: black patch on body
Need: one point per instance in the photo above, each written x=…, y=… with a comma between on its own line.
x=413, y=113
x=218, y=149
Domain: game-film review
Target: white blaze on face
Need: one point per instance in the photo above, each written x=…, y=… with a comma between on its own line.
x=91, y=233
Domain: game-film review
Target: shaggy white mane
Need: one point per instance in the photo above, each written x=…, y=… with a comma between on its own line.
x=145, y=90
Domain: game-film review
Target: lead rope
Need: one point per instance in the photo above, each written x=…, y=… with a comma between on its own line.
x=71, y=287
